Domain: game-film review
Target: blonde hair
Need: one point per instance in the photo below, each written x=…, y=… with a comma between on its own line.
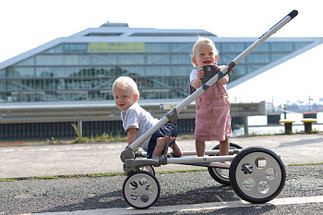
x=200, y=41
x=125, y=82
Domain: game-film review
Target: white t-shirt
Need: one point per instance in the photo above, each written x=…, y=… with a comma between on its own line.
x=137, y=117
x=193, y=75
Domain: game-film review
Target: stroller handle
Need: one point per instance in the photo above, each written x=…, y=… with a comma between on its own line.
x=129, y=151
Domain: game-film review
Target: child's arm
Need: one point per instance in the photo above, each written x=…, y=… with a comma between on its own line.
x=196, y=83
x=224, y=80
x=132, y=135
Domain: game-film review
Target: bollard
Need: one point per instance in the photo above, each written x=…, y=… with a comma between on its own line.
x=308, y=124
x=288, y=126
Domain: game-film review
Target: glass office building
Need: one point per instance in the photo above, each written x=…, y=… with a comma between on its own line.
x=83, y=66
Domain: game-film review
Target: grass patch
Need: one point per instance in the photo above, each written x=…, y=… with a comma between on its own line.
x=90, y=175
x=305, y=164
x=186, y=136
x=119, y=174
x=52, y=140
x=105, y=137
x=61, y=177
x=181, y=171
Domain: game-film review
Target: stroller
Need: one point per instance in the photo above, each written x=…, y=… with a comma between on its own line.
x=256, y=174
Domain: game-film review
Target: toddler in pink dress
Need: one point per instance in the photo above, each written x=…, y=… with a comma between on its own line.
x=213, y=120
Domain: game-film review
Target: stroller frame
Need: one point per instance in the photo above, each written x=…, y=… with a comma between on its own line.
x=238, y=157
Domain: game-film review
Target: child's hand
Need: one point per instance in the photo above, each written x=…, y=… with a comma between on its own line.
x=165, y=138
x=172, y=139
x=217, y=67
x=200, y=74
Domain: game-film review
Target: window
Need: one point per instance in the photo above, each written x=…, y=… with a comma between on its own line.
x=158, y=71
x=182, y=47
x=50, y=72
x=181, y=59
x=258, y=58
x=157, y=47
x=300, y=45
x=182, y=71
x=158, y=59
x=46, y=60
x=23, y=72
x=264, y=47
x=276, y=56
x=104, y=59
x=28, y=62
x=3, y=85
x=2, y=73
x=55, y=49
x=133, y=71
x=232, y=47
x=74, y=60
x=75, y=47
x=282, y=47
x=129, y=59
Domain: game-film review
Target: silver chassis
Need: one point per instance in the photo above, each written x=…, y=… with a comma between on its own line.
x=186, y=153
x=131, y=164
x=187, y=159
x=128, y=155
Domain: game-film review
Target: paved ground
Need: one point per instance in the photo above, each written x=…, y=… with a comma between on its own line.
x=68, y=159
x=103, y=195
x=181, y=194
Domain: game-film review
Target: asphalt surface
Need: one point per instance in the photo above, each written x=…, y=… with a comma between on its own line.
x=91, y=193
x=92, y=158
x=88, y=193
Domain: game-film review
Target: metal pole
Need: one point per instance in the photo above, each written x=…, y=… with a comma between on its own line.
x=80, y=128
x=246, y=126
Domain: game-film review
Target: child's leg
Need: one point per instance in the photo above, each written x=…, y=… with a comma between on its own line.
x=200, y=148
x=177, y=151
x=160, y=146
x=158, y=151
x=224, y=147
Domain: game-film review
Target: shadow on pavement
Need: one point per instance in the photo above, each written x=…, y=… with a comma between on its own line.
x=301, y=142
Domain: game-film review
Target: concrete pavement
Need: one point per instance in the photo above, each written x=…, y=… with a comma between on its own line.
x=92, y=158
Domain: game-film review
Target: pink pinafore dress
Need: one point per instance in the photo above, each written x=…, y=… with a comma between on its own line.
x=213, y=119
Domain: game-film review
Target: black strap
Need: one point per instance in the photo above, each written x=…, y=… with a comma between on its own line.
x=168, y=140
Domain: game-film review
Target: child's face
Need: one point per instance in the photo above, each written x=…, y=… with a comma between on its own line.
x=124, y=98
x=204, y=55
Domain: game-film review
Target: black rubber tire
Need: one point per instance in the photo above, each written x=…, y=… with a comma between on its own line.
x=141, y=200
x=149, y=169
x=246, y=175
x=218, y=174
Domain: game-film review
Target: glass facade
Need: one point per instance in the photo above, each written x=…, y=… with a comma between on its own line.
x=85, y=71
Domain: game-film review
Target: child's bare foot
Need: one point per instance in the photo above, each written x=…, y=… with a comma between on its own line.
x=163, y=140
x=177, y=151
x=160, y=146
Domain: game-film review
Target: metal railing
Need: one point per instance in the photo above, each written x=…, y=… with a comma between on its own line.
x=50, y=112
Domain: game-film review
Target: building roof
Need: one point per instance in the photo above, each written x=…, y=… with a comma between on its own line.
x=121, y=32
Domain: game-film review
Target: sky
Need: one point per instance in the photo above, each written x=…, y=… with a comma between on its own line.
x=28, y=24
